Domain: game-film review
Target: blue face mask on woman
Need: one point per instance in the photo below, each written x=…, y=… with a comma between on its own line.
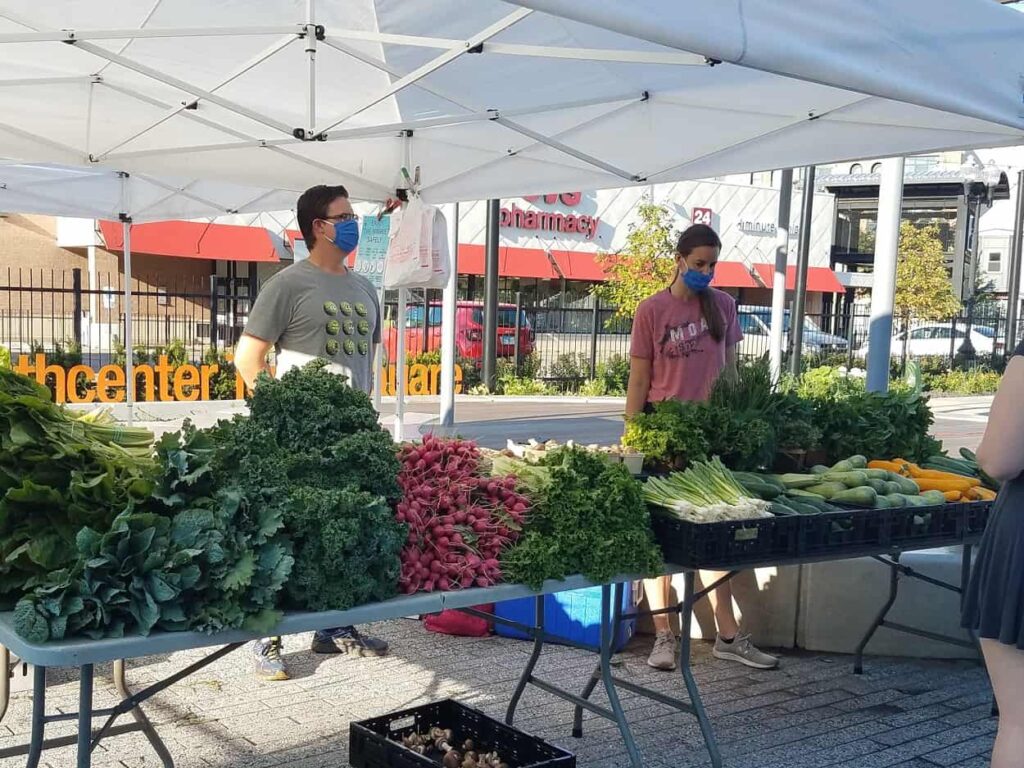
x=698, y=282
x=346, y=235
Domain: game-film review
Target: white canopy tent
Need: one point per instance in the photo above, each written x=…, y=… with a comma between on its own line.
x=494, y=98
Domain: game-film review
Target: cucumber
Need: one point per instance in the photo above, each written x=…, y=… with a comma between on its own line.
x=934, y=498
x=754, y=478
x=907, y=485
x=783, y=510
x=916, y=501
x=800, y=493
x=805, y=509
x=843, y=466
x=854, y=479
x=763, y=491
x=829, y=490
x=882, y=502
x=820, y=469
x=879, y=486
x=896, y=500
x=793, y=480
x=858, y=462
x=818, y=504
x=892, y=487
x=856, y=497
x=970, y=456
x=876, y=474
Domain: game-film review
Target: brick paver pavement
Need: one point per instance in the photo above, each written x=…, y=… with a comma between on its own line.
x=813, y=712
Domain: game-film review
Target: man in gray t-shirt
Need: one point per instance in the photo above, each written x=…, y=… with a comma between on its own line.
x=317, y=308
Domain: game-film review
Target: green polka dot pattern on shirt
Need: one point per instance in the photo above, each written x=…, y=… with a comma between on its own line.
x=346, y=309
x=332, y=347
x=333, y=327
x=361, y=309
x=364, y=348
x=350, y=347
x=330, y=308
x=348, y=327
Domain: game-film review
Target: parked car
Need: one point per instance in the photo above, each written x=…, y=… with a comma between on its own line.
x=469, y=331
x=936, y=340
x=755, y=322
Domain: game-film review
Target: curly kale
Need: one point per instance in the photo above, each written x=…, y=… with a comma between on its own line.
x=310, y=409
x=347, y=545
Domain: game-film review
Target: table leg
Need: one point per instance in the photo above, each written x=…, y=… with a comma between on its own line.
x=140, y=717
x=35, y=749
x=538, y=647
x=5, y=681
x=686, y=619
x=595, y=678
x=85, y=679
x=608, y=627
x=894, y=586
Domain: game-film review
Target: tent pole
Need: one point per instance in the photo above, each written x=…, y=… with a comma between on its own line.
x=1013, y=289
x=883, y=290
x=449, y=305
x=490, y=361
x=403, y=300
x=779, y=284
x=311, y=52
x=129, y=361
x=796, y=324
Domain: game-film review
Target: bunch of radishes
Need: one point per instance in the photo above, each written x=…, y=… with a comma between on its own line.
x=459, y=520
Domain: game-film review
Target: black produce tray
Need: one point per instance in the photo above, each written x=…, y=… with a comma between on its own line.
x=372, y=743
x=829, y=535
x=732, y=542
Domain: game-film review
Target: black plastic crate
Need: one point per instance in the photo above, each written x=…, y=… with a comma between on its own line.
x=850, y=529
x=977, y=515
x=728, y=543
x=377, y=743
x=944, y=524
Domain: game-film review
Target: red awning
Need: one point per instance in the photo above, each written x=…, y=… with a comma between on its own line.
x=819, y=279
x=512, y=262
x=194, y=240
x=733, y=274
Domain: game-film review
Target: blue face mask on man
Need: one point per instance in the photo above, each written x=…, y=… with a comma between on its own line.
x=698, y=282
x=346, y=235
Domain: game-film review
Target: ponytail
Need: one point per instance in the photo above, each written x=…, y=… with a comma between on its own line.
x=697, y=236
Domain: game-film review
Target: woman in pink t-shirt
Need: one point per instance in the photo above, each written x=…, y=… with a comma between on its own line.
x=684, y=338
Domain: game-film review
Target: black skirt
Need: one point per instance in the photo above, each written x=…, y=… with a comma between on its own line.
x=994, y=602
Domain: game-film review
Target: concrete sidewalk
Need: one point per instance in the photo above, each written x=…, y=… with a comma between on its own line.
x=812, y=712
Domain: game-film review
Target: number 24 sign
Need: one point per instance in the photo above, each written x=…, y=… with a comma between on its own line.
x=701, y=216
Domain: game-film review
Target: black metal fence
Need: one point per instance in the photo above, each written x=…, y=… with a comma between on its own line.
x=56, y=314
x=566, y=338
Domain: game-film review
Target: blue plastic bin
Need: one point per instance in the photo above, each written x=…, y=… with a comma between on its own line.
x=574, y=615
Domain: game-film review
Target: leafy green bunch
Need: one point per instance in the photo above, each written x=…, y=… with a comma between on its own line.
x=59, y=473
x=589, y=517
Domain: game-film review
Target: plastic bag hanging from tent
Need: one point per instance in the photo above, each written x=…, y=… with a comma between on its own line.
x=418, y=255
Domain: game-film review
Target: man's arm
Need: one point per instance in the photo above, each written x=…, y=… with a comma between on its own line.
x=251, y=358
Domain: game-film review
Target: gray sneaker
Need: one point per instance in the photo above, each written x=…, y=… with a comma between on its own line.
x=663, y=656
x=267, y=659
x=743, y=651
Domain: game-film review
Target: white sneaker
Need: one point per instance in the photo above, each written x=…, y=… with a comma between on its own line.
x=743, y=651
x=663, y=656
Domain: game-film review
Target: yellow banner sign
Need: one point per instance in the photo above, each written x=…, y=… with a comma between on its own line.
x=165, y=382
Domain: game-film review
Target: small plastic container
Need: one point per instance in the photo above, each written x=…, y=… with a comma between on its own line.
x=634, y=462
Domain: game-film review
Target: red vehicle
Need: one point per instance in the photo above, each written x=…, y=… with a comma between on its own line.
x=469, y=331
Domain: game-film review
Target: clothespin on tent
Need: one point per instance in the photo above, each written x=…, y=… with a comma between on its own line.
x=401, y=195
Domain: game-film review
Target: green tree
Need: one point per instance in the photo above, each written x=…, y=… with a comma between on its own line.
x=644, y=266
x=923, y=287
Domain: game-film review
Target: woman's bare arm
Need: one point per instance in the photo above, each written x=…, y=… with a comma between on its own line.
x=639, y=385
x=1001, y=453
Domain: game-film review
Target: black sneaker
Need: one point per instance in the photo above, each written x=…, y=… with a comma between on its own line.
x=268, y=661
x=348, y=640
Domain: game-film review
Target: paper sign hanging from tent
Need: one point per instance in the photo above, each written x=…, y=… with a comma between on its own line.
x=373, y=248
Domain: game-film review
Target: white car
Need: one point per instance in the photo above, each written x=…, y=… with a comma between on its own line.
x=936, y=340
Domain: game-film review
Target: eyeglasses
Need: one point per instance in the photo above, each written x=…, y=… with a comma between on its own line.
x=341, y=217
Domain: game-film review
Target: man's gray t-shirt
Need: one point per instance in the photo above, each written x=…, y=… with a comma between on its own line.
x=308, y=313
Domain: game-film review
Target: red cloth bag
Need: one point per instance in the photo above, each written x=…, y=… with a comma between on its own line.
x=460, y=624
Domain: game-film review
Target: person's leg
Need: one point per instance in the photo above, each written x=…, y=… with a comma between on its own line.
x=658, y=592
x=348, y=640
x=267, y=659
x=1006, y=671
x=730, y=645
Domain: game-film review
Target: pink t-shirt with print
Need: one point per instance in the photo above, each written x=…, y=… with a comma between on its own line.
x=672, y=334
